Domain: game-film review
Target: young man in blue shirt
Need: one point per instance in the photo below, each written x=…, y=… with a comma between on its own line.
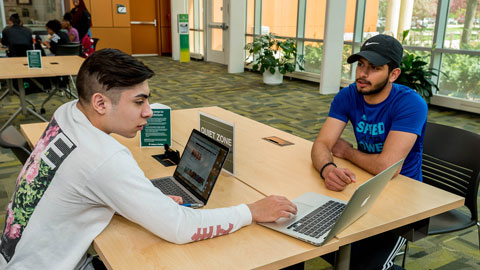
x=389, y=124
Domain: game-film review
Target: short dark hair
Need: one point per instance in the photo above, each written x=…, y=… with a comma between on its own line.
x=68, y=17
x=55, y=25
x=391, y=66
x=109, y=71
x=15, y=19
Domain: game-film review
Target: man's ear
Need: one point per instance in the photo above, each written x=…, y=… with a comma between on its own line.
x=100, y=103
x=394, y=74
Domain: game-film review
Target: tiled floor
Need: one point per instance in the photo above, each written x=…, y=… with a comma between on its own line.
x=295, y=107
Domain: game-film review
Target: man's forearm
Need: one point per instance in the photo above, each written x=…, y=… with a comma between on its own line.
x=321, y=155
x=372, y=163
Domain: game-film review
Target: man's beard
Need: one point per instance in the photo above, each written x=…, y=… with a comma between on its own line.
x=376, y=88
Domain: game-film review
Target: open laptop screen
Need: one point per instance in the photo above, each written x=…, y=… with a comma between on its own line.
x=201, y=163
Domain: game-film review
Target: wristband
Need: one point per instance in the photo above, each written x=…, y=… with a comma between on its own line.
x=323, y=168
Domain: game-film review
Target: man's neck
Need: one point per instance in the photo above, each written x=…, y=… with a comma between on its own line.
x=90, y=116
x=379, y=97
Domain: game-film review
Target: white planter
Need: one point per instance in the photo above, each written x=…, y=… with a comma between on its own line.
x=272, y=79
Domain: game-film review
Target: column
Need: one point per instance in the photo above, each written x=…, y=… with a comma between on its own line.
x=236, y=37
x=331, y=73
x=391, y=24
x=405, y=20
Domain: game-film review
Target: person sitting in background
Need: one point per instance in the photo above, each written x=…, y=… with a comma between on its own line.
x=58, y=37
x=16, y=37
x=67, y=26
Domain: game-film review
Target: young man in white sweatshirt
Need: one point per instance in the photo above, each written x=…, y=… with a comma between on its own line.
x=78, y=176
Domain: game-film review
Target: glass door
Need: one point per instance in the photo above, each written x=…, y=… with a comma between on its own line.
x=217, y=31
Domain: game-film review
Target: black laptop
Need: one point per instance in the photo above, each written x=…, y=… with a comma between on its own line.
x=198, y=170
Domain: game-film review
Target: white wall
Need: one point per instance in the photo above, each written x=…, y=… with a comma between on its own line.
x=331, y=74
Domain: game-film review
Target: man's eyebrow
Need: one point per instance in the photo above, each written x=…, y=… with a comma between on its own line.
x=143, y=95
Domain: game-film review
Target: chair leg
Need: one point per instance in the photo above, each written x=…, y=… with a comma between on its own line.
x=405, y=254
x=71, y=87
x=478, y=230
x=4, y=94
x=52, y=92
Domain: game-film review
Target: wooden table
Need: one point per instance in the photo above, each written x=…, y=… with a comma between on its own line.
x=125, y=245
x=288, y=170
x=17, y=68
x=262, y=168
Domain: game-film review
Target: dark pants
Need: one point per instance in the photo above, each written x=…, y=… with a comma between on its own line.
x=374, y=253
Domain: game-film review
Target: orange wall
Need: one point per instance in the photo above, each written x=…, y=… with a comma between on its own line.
x=112, y=29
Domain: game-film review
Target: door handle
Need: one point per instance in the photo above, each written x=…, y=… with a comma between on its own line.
x=154, y=23
x=222, y=26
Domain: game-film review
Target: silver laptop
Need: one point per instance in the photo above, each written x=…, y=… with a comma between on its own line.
x=197, y=171
x=319, y=218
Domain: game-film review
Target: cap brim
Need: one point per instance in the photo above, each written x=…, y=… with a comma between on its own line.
x=371, y=57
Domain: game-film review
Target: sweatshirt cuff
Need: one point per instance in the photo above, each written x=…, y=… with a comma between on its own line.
x=245, y=215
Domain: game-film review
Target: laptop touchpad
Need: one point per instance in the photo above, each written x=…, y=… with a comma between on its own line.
x=302, y=209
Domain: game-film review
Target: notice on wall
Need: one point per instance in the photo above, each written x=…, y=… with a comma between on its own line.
x=221, y=131
x=158, y=130
x=183, y=35
x=34, y=58
x=121, y=9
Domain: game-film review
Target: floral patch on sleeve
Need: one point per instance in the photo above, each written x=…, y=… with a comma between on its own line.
x=36, y=175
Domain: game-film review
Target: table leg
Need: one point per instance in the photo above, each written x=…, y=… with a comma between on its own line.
x=23, y=103
x=342, y=261
x=23, y=106
x=22, y=96
x=37, y=115
x=9, y=89
x=19, y=110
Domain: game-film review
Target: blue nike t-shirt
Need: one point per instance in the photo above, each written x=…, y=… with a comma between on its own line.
x=403, y=110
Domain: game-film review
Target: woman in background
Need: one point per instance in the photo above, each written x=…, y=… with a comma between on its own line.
x=81, y=18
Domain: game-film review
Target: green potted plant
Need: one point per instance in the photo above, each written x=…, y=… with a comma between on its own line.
x=416, y=74
x=273, y=57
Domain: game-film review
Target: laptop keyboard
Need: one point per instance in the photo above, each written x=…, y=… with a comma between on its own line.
x=320, y=220
x=168, y=187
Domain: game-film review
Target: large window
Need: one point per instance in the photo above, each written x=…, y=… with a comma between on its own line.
x=460, y=62
x=196, y=21
x=279, y=17
x=35, y=13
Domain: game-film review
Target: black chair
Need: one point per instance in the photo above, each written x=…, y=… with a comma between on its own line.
x=69, y=49
x=11, y=138
x=451, y=163
x=19, y=50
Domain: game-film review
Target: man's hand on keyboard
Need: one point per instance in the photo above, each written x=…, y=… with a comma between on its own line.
x=177, y=199
x=271, y=208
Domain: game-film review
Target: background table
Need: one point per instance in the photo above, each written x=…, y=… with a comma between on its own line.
x=17, y=68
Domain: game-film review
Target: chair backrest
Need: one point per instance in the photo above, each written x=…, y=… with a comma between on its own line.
x=19, y=50
x=451, y=163
x=69, y=49
x=11, y=138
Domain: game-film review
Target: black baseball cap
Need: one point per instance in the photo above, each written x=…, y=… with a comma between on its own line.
x=379, y=50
